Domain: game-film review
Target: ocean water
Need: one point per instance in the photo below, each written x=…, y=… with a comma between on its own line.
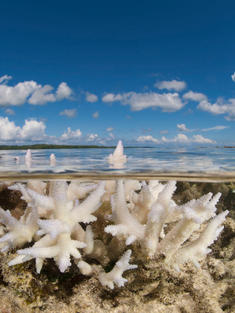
x=197, y=172
x=178, y=163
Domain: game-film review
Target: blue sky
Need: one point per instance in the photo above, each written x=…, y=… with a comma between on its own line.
x=152, y=72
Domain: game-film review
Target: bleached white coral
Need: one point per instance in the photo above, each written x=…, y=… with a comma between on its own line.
x=159, y=211
x=125, y=223
x=58, y=231
x=115, y=275
x=130, y=186
x=117, y=159
x=28, y=158
x=162, y=207
x=60, y=249
x=79, y=190
x=195, y=212
x=198, y=249
x=59, y=216
x=19, y=231
x=52, y=160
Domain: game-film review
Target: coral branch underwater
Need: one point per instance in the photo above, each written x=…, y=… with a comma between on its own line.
x=59, y=217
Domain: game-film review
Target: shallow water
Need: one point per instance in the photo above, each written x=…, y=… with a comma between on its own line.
x=197, y=173
x=191, y=164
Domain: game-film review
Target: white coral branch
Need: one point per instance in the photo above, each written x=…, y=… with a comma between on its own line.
x=195, y=213
x=117, y=158
x=78, y=190
x=83, y=212
x=115, y=275
x=126, y=223
x=20, y=231
x=60, y=251
x=198, y=249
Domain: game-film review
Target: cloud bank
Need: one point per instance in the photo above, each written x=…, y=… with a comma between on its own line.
x=31, y=92
x=182, y=138
x=32, y=130
x=168, y=102
x=147, y=138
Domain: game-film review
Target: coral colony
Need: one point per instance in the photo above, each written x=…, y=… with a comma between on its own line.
x=60, y=217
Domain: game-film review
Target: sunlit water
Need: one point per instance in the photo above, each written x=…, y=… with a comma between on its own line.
x=153, y=162
x=203, y=167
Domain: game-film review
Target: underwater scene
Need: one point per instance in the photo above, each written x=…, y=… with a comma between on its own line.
x=104, y=230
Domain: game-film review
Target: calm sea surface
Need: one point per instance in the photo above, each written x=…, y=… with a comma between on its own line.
x=152, y=162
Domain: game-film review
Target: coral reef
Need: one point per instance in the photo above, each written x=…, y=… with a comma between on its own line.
x=154, y=286
x=82, y=237
x=55, y=220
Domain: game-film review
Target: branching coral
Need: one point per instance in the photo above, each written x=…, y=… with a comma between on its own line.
x=19, y=231
x=57, y=214
x=62, y=234
x=115, y=275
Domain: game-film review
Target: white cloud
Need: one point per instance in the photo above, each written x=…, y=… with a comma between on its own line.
x=201, y=139
x=168, y=102
x=4, y=79
x=110, y=97
x=95, y=115
x=90, y=97
x=171, y=85
x=216, y=108
x=92, y=137
x=63, y=91
x=182, y=138
x=183, y=128
x=109, y=129
x=233, y=76
x=194, y=96
x=219, y=107
x=8, y=129
x=31, y=92
x=42, y=95
x=17, y=94
x=147, y=138
x=69, y=112
x=10, y=112
x=31, y=130
x=71, y=134
x=214, y=128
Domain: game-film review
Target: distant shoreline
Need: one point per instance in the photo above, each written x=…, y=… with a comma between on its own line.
x=49, y=146
x=52, y=146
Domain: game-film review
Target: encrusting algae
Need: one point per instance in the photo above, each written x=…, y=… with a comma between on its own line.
x=116, y=246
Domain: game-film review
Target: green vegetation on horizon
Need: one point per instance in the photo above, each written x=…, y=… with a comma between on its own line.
x=52, y=146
